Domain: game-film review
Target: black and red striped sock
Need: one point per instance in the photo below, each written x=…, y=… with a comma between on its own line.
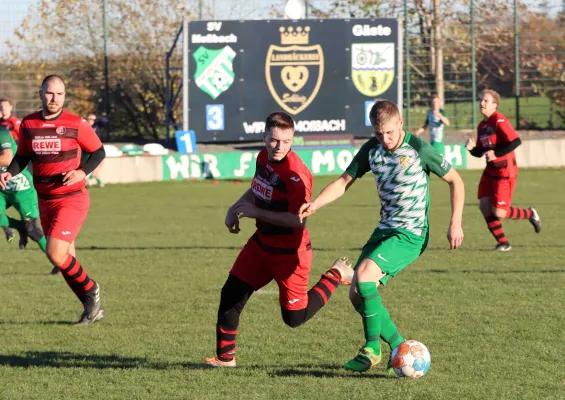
x=519, y=213
x=495, y=227
x=77, y=278
x=326, y=286
x=225, y=343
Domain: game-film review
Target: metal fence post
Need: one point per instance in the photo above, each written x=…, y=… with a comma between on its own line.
x=517, y=60
x=407, y=65
x=473, y=62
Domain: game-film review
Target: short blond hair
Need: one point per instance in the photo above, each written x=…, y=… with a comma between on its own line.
x=494, y=94
x=382, y=112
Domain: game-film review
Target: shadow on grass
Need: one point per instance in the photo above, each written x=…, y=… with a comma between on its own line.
x=328, y=374
x=312, y=370
x=36, y=322
x=54, y=359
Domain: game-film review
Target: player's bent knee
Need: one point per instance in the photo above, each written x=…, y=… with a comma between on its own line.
x=485, y=206
x=57, y=251
x=369, y=271
x=33, y=230
x=294, y=318
x=56, y=258
x=499, y=212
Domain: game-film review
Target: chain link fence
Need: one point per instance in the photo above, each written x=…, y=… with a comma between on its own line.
x=516, y=48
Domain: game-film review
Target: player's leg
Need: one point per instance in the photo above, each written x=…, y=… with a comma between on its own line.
x=8, y=232
x=8, y=224
x=384, y=255
x=486, y=195
x=366, y=299
x=29, y=210
x=246, y=276
x=4, y=222
x=67, y=216
x=298, y=304
x=530, y=213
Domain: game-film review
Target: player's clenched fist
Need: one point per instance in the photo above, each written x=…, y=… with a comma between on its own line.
x=306, y=210
x=4, y=178
x=232, y=221
x=470, y=144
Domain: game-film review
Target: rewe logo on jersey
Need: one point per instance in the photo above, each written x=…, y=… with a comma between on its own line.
x=261, y=189
x=46, y=145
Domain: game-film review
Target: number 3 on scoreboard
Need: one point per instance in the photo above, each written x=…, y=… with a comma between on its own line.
x=214, y=117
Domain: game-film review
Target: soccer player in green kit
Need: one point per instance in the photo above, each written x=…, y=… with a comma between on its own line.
x=20, y=194
x=436, y=120
x=401, y=164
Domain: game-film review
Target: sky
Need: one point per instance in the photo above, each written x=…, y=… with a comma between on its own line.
x=13, y=12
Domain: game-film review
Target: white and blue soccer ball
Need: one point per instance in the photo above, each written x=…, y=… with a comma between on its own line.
x=411, y=359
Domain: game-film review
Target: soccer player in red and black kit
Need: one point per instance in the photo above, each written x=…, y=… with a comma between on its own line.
x=53, y=139
x=280, y=249
x=13, y=125
x=8, y=120
x=497, y=140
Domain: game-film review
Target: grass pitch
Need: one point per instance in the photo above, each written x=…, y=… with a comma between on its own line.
x=494, y=323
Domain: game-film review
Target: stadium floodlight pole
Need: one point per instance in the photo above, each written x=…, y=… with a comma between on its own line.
x=473, y=66
x=407, y=65
x=517, y=61
x=106, y=89
x=185, y=80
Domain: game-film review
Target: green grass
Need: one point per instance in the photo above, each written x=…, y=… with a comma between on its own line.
x=494, y=323
x=535, y=113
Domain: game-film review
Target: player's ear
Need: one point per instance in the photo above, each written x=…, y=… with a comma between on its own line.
x=401, y=122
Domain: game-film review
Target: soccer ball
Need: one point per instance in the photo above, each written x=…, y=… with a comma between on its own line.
x=411, y=359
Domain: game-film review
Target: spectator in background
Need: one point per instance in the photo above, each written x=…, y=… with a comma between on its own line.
x=13, y=125
x=98, y=125
x=436, y=120
x=8, y=120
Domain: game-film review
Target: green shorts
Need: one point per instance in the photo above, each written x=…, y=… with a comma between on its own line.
x=24, y=202
x=439, y=147
x=393, y=250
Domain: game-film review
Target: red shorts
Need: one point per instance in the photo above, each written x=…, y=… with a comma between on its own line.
x=62, y=218
x=257, y=268
x=501, y=190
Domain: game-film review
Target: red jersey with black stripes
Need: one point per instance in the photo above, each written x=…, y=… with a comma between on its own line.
x=55, y=146
x=493, y=132
x=13, y=125
x=281, y=187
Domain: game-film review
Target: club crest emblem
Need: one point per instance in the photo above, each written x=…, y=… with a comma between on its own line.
x=294, y=72
x=214, y=70
x=372, y=67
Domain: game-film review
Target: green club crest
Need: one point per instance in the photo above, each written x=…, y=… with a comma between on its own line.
x=214, y=70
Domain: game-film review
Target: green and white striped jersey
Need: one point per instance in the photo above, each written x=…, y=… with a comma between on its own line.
x=22, y=182
x=402, y=177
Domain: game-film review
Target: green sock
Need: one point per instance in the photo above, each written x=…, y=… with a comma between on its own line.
x=371, y=314
x=42, y=243
x=16, y=224
x=389, y=332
